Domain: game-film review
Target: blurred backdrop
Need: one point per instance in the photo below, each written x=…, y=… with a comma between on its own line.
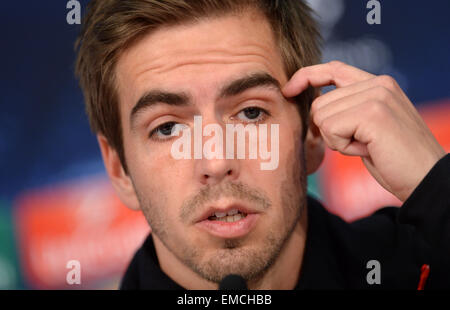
x=56, y=203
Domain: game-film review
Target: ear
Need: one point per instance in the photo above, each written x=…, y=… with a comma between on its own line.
x=120, y=180
x=314, y=148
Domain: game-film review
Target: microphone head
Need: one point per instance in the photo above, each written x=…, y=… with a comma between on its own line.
x=233, y=282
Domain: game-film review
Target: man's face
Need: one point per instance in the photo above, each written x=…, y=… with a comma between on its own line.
x=186, y=69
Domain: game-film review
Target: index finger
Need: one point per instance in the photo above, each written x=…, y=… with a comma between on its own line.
x=332, y=73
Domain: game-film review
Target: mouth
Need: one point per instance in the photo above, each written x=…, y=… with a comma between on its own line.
x=232, y=222
x=231, y=216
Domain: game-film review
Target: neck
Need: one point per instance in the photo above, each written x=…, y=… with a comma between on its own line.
x=282, y=275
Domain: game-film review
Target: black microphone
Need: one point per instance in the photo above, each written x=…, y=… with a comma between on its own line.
x=233, y=282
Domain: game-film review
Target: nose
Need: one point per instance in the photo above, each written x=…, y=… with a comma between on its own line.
x=214, y=171
x=211, y=170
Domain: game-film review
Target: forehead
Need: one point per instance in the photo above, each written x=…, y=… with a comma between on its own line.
x=210, y=50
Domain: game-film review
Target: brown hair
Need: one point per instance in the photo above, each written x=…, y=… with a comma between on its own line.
x=110, y=26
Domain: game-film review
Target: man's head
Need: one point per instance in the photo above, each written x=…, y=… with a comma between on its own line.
x=148, y=67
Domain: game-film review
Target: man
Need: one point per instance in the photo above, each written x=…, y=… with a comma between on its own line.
x=150, y=68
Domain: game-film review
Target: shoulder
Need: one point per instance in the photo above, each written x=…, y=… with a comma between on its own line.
x=374, y=237
x=381, y=224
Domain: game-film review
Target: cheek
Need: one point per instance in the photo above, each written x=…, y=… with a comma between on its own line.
x=290, y=145
x=158, y=184
x=158, y=177
x=275, y=182
x=155, y=165
x=288, y=179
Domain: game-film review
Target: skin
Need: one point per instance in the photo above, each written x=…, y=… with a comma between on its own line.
x=199, y=59
x=371, y=117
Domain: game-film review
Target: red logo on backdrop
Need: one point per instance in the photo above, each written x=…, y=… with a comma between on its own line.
x=85, y=222
x=348, y=188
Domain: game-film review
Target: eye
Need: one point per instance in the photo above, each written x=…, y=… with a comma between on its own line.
x=167, y=130
x=252, y=114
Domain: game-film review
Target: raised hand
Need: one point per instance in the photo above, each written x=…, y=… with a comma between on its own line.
x=371, y=117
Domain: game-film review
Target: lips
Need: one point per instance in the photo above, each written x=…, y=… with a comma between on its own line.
x=233, y=215
x=232, y=222
x=219, y=213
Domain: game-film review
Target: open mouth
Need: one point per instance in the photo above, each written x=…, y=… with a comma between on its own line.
x=229, y=217
x=232, y=222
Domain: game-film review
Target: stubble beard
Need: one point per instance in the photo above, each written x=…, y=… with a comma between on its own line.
x=234, y=257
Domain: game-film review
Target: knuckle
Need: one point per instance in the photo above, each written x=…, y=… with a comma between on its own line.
x=315, y=105
x=327, y=126
x=382, y=93
x=336, y=64
x=387, y=81
x=317, y=118
x=301, y=71
x=330, y=142
x=377, y=108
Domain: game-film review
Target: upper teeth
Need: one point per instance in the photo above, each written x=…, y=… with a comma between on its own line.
x=222, y=214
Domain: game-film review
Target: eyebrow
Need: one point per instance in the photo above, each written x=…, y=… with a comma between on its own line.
x=233, y=88
x=258, y=79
